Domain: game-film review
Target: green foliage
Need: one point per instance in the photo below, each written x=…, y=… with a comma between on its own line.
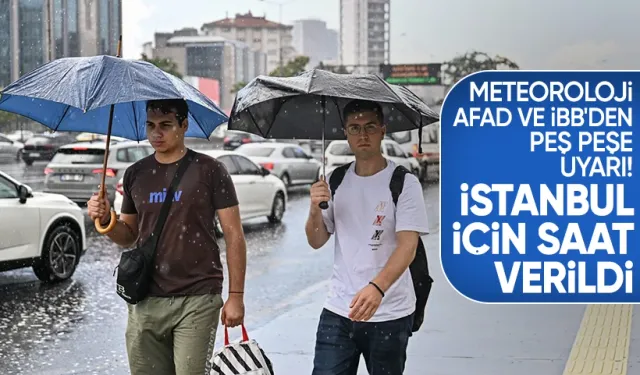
x=6, y=120
x=292, y=68
x=338, y=69
x=167, y=65
x=471, y=62
x=237, y=87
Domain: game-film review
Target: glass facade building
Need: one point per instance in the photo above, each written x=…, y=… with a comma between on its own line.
x=73, y=34
x=5, y=42
x=33, y=32
x=31, y=18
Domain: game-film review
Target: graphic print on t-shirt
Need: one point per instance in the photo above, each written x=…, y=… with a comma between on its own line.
x=160, y=196
x=378, y=221
x=376, y=237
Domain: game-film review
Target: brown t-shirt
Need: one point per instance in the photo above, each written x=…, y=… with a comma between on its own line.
x=188, y=257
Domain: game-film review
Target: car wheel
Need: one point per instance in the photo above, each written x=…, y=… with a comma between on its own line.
x=277, y=208
x=28, y=162
x=60, y=255
x=217, y=227
x=286, y=179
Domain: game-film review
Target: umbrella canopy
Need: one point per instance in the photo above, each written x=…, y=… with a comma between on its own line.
x=75, y=94
x=292, y=107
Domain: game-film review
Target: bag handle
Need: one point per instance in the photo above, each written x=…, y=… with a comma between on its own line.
x=245, y=336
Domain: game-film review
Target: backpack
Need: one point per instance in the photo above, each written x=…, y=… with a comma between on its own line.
x=419, y=267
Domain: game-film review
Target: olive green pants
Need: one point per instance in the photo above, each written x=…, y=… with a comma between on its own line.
x=172, y=336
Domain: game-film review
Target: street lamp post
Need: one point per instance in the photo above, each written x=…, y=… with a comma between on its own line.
x=279, y=4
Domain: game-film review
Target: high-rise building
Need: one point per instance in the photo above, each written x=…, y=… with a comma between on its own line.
x=34, y=32
x=364, y=33
x=272, y=38
x=311, y=38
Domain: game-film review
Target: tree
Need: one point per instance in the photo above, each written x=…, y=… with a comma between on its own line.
x=238, y=86
x=471, y=62
x=338, y=69
x=167, y=65
x=7, y=119
x=292, y=68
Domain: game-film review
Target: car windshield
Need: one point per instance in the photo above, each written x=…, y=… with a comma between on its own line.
x=79, y=156
x=257, y=151
x=341, y=149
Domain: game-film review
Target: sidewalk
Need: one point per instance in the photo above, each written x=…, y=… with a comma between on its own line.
x=459, y=337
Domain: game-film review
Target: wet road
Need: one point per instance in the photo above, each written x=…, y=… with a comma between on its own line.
x=77, y=327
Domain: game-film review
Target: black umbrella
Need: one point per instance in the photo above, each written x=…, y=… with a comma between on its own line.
x=309, y=106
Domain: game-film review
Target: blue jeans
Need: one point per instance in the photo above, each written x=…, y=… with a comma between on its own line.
x=340, y=342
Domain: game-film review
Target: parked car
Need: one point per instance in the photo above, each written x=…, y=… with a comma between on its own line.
x=43, y=146
x=285, y=160
x=92, y=137
x=259, y=192
x=233, y=139
x=9, y=148
x=408, y=141
x=39, y=230
x=339, y=153
x=20, y=135
x=75, y=170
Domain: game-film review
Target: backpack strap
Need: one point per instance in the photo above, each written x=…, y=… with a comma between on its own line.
x=397, y=182
x=336, y=177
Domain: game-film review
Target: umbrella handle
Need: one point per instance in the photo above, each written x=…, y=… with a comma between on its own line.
x=324, y=205
x=112, y=223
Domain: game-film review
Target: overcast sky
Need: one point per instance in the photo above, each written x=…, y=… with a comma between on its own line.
x=536, y=34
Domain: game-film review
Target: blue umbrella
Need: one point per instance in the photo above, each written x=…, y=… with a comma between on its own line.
x=104, y=95
x=76, y=94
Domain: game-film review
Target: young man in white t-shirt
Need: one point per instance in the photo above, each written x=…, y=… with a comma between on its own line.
x=369, y=310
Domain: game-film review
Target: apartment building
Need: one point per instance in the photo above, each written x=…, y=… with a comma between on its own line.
x=271, y=38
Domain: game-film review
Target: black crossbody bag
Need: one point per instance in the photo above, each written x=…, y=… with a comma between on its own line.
x=136, y=266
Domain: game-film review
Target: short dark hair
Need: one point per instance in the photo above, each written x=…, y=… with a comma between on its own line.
x=359, y=106
x=166, y=106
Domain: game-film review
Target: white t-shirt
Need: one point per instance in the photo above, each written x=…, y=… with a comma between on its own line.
x=364, y=220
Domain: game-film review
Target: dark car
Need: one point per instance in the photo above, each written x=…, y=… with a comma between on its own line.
x=233, y=139
x=44, y=146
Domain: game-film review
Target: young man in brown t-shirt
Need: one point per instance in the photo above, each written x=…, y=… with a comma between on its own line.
x=172, y=331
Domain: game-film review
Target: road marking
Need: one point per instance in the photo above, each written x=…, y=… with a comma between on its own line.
x=602, y=343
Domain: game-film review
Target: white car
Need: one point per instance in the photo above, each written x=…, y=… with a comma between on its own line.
x=44, y=231
x=339, y=153
x=285, y=160
x=10, y=149
x=260, y=193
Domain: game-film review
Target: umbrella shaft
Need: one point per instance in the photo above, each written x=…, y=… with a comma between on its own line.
x=324, y=163
x=106, y=153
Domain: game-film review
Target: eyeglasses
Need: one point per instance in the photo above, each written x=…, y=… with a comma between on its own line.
x=357, y=129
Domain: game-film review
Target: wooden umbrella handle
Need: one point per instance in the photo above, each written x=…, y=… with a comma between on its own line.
x=109, y=227
x=114, y=218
